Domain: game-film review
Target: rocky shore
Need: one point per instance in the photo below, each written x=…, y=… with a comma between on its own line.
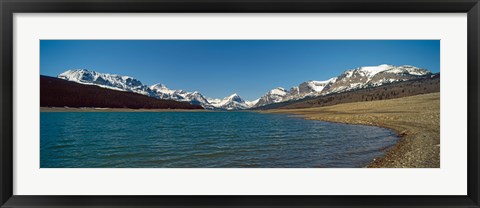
x=416, y=119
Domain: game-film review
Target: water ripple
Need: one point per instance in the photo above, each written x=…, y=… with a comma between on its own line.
x=204, y=140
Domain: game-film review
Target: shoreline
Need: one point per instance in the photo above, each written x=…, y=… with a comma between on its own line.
x=67, y=109
x=415, y=120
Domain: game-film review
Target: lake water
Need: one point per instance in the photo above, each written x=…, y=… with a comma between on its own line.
x=204, y=140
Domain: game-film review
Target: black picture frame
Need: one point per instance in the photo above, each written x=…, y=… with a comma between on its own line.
x=9, y=7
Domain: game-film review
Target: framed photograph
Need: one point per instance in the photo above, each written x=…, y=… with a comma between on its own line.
x=265, y=103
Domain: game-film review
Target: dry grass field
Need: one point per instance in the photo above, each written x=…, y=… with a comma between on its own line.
x=416, y=119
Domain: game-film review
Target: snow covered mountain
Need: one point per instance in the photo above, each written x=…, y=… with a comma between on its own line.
x=273, y=96
x=232, y=102
x=371, y=76
x=305, y=89
x=163, y=92
x=309, y=88
x=159, y=91
x=362, y=77
x=111, y=81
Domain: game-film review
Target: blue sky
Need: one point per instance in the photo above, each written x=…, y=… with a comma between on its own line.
x=218, y=68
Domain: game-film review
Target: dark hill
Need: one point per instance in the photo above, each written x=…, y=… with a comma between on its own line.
x=55, y=92
x=428, y=84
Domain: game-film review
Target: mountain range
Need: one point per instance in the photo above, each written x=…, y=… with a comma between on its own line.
x=55, y=92
x=159, y=91
x=362, y=77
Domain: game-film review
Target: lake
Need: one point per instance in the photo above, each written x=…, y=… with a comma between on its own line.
x=204, y=140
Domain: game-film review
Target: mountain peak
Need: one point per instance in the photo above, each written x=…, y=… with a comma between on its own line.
x=159, y=86
x=372, y=70
x=111, y=81
x=72, y=72
x=233, y=95
x=232, y=102
x=278, y=91
x=77, y=70
x=236, y=98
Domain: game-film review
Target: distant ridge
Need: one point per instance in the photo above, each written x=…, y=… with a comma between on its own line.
x=159, y=90
x=55, y=92
x=350, y=80
x=421, y=85
x=359, y=78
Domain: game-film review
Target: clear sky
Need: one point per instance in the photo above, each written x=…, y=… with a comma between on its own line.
x=218, y=68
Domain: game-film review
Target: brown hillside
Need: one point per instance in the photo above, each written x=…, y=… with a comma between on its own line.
x=56, y=92
x=424, y=85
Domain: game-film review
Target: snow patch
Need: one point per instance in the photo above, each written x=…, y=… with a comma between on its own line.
x=278, y=91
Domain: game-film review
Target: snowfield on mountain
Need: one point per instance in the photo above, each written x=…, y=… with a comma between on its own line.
x=362, y=77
